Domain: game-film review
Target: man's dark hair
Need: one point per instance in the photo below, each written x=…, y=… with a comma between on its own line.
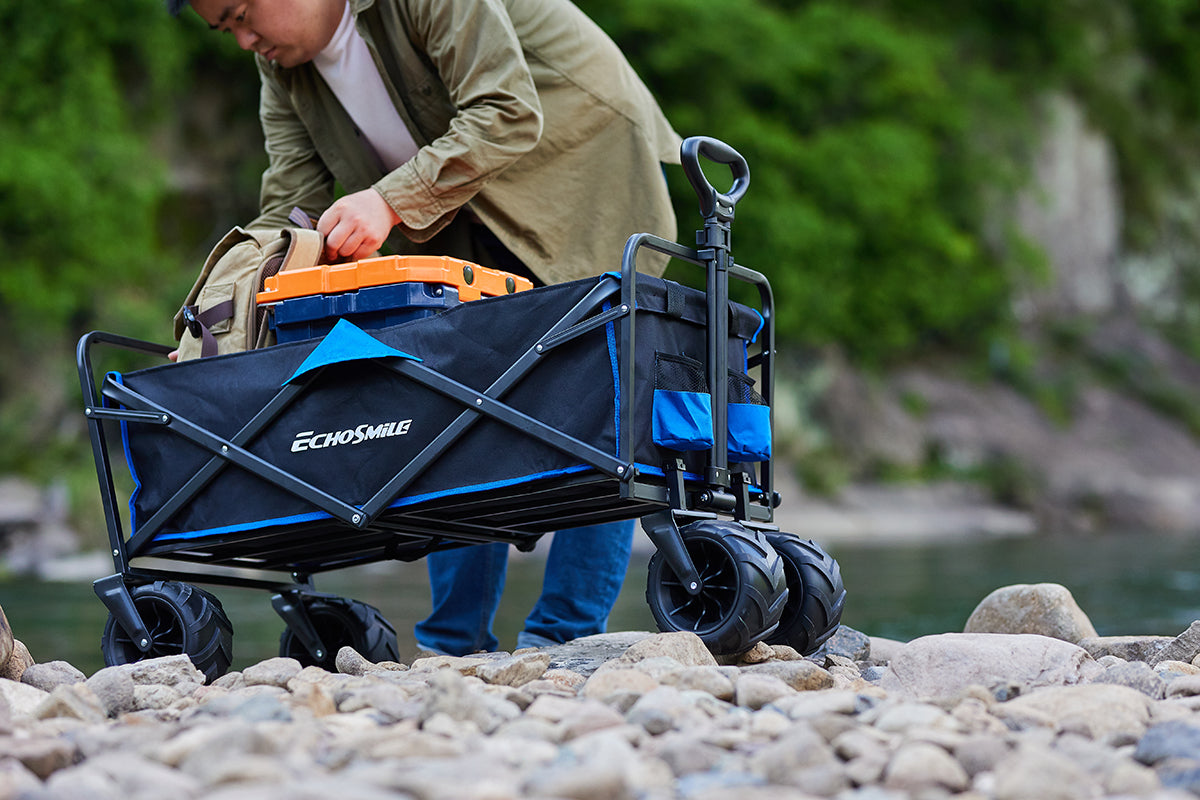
x=176, y=6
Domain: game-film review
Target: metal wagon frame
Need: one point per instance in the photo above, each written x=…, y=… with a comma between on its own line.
x=722, y=567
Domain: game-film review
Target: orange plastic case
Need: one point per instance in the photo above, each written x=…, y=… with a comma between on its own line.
x=471, y=280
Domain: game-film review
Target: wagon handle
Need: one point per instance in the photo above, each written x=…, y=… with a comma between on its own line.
x=713, y=202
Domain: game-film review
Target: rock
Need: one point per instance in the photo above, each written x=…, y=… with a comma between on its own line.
x=165, y=670
x=882, y=650
x=350, y=662
x=847, y=643
x=515, y=670
x=920, y=765
x=1043, y=774
x=587, y=654
x=49, y=674
x=1136, y=675
x=712, y=680
x=6, y=638
x=1184, y=647
x=41, y=756
x=19, y=661
x=1169, y=740
x=114, y=687
x=684, y=647
x=21, y=698
x=449, y=694
x=1098, y=711
x=803, y=676
x=1045, y=609
x=946, y=664
x=76, y=701
x=605, y=683
x=272, y=672
x=1128, y=648
x=755, y=690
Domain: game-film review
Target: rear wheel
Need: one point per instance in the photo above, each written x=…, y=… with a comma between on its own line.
x=180, y=619
x=816, y=595
x=742, y=593
x=341, y=622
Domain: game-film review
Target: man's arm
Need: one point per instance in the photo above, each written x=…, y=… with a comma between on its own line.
x=473, y=47
x=296, y=175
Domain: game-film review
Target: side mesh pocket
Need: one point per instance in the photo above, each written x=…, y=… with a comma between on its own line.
x=749, y=421
x=682, y=406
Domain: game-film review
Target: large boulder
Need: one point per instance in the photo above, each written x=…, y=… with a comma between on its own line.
x=945, y=664
x=1044, y=609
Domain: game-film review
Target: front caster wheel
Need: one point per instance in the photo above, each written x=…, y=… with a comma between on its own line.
x=816, y=595
x=180, y=619
x=743, y=588
x=341, y=622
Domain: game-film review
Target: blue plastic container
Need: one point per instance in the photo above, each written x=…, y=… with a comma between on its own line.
x=370, y=307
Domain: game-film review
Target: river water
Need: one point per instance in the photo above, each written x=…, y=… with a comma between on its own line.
x=1126, y=583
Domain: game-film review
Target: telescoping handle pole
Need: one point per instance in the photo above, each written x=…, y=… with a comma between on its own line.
x=713, y=243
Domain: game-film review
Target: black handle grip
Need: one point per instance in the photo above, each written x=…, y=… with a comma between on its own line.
x=711, y=201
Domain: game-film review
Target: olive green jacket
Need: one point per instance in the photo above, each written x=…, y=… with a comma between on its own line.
x=525, y=112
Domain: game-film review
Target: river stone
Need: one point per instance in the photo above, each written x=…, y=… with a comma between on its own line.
x=616, y=680
x=272, y=672
x=75, y=701
x=755, y=690
x=1098, y=711
x=114, y=687
x=712, y=680
x=847, y=643
x=803, y=676
x=587, y=654
x=1041, y=773
x=6, y=638
x=946, y=664
x=920, y=765
x=41, y=756
x=165, y=670
x=1174, y=739
x=1129, y=648
x=1045, y=609
x=1136, y=675
x=49, y=674
x=22, y=699
x=19, y=661
x=1184, y=647
x=516, y=670
x=683, y=646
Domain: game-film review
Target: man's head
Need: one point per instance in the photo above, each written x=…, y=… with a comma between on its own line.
x=289, y=32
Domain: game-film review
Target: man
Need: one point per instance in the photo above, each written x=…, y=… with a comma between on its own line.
x=510, y=133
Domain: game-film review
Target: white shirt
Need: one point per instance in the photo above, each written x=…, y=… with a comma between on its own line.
x=347, y=66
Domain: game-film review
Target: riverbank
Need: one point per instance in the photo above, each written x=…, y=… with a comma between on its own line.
x=1018, y=712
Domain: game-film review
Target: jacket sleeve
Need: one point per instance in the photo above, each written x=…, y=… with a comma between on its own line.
x=296, y=175
x=475, y=50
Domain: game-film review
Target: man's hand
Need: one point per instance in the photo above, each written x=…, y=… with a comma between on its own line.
x=356, y=225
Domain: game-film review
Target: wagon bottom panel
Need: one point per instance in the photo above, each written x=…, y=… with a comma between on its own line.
x=497, y=420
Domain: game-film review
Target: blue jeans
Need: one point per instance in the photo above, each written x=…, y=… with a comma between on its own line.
x=585, y=569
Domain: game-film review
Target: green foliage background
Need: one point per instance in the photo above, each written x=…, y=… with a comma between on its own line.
x=884, y=137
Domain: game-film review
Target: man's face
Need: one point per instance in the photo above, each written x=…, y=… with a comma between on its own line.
x=289, y=32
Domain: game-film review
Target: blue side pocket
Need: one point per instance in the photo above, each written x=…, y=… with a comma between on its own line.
x=682, y=420
x=749, y=422
x=749, y=432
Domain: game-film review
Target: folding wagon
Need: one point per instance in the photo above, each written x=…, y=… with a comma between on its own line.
x=496, y=420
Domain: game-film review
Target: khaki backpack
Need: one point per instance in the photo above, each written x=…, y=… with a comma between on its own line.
x=220, y=314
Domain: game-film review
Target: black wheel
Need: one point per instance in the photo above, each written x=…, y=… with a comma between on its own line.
x=743, y=587
x=816, y=595
x=180, y=619
x=342, y=622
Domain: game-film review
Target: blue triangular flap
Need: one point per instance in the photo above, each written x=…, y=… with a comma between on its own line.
x=346, y=342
